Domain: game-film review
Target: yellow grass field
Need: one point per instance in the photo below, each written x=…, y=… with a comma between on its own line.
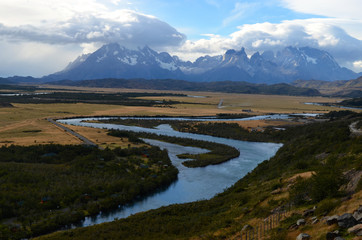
x=26, y=124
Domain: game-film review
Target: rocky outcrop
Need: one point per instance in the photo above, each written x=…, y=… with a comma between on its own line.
x=301, y=222
x=303, y=236
x=357, y=230
x=332, y=220
x=308, y=212
x=332, y=235
x=358, y=214
x=346, y=221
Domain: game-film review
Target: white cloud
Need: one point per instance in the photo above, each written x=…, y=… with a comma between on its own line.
x=315, y=33
x=347, y=9
x=358, y=65
x=213, y=3
x=40, y=12
x=123, y=26
x=345, y=14
x=35, y=59
x=240, y=11
x=70, y=25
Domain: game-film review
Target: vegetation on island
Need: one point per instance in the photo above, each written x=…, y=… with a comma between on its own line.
x=324, y=149
x=218, y=153
x=45, y=187
x=154, y=121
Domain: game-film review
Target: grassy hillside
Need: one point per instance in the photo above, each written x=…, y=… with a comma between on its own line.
x=319, y=153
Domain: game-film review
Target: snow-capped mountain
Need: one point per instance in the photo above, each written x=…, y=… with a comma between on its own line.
x=287, y=65
x=114, y=61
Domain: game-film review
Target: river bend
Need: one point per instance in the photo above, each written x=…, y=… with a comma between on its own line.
x=193, y=183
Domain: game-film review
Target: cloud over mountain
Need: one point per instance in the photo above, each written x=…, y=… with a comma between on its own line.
x=61, y=30
x=316, y=33
x=72, y=27
x=126, y=26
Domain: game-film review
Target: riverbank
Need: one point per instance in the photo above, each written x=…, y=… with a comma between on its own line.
x=325, y=148
x=60, y=185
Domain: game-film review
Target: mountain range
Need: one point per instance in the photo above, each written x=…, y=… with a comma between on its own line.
x=286, y=65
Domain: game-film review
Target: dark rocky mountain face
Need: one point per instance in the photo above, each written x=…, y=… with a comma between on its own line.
x=115, y=61
x=287, y=65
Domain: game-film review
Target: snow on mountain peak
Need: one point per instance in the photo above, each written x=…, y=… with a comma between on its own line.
x=286, y=65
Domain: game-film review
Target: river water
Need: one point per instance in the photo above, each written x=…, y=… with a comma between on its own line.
x=193, y=183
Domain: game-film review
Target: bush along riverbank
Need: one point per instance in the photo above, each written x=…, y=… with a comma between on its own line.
x=219, y=153
x=315, y=169
x=46, y=187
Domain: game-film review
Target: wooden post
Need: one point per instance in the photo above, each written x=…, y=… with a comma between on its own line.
x=265, y=226
x=271, y=223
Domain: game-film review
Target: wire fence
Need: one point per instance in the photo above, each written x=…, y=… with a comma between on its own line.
x=263, y=228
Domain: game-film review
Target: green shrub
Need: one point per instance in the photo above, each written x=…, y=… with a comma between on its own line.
x=326, y=206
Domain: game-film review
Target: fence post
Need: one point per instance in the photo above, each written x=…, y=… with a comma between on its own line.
x=271, y=223
x=274, y=221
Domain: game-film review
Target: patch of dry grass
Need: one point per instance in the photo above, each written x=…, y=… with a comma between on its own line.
x=100, y=137
x=25, y=124
x=350, y=205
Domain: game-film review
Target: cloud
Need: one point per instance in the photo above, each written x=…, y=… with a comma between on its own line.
x=345, y=14
x=213, y=3
x=348, y=9
x=358, y=65
x=241, y=10
x=124, y=26
x=35, y=59
x=317, y=33
x=74, y=27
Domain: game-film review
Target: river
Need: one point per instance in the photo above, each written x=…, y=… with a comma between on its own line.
x=193, y=183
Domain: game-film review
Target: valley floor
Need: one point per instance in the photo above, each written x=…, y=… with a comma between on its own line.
x=315, y=153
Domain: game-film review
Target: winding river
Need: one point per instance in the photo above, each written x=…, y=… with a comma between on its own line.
x=193, y=183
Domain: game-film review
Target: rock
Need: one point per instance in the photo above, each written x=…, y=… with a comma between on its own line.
x=332, y=235
x=276, y=191
x=358, y=214
x=315, y=221
x=293, y=226
x=346, y=198
x=357, y=230
x=332, y=220
x=301, y=222
x=352, y=176
x=303, y=236
x=339, y=238
x=246, y=228
x=308, y=212
x=346, y=220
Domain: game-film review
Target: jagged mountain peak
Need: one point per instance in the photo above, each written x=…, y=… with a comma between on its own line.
x=291, y=63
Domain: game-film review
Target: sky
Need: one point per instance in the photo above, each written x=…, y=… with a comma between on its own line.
x=39, y=37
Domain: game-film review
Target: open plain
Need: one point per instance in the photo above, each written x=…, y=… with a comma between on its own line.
x=26, y=124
